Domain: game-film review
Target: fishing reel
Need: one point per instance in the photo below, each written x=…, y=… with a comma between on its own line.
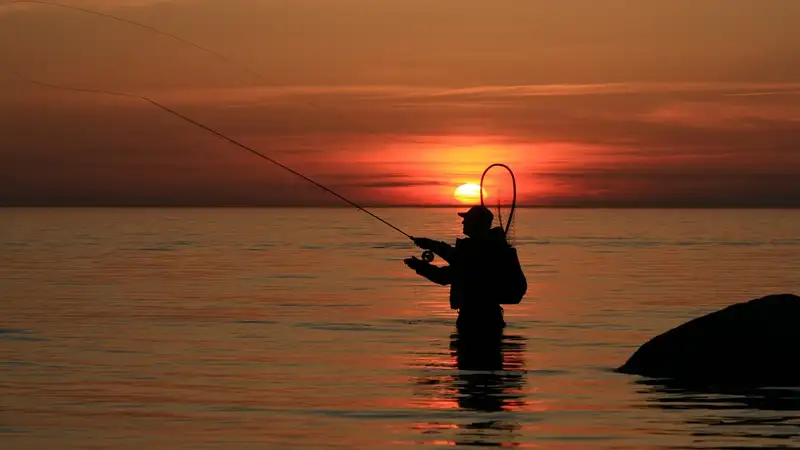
x=427, y=256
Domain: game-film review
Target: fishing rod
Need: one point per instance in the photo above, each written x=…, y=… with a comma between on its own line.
x=182, y=116
x=216, y=133
x=206, y=127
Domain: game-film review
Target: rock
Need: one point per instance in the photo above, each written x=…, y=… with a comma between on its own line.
x=753, y=343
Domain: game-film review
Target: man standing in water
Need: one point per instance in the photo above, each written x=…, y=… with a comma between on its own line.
x=483, y=272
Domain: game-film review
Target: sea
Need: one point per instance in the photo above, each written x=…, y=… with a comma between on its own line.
x=301, y=328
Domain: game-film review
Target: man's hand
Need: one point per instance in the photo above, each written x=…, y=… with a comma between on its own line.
x=425, y=243
x=414, y=262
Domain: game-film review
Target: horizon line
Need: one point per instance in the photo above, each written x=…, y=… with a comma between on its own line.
x=408, y=206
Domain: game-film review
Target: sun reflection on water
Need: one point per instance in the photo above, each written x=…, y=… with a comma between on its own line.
x=481, y=377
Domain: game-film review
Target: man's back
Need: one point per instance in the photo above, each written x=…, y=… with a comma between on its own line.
x=477, y=271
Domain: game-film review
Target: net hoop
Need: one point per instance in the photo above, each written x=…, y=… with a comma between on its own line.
x=514, y=200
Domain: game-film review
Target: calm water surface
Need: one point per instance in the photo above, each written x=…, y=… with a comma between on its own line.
x=301, y=328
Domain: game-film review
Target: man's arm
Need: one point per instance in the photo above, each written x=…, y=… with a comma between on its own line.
x=443, y=249
x=439, y=275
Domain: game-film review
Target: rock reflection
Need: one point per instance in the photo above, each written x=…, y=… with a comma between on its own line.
x=729, y=417
x=479, y=375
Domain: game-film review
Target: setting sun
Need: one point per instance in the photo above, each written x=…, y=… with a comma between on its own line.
x=469, y=193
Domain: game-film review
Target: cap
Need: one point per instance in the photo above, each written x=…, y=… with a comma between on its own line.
x=481, y=213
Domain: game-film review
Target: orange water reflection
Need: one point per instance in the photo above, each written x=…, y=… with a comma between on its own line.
x=475, y=375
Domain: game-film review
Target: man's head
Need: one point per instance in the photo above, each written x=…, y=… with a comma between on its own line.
x=477, y=220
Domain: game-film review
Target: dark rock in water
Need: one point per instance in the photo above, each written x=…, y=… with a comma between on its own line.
x=756, y=342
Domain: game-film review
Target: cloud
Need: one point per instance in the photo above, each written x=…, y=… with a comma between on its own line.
x=98, y=5
x=393, y=184
x=758, y=94
x=673, y=185
x=725, y=114
x=654, y=116
x=663, y=142
x=392, y=94
x=622, y=114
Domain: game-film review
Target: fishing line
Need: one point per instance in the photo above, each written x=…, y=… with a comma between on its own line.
x=146, y=27
x=216, y=133
x=179, y=115
x=179, y=39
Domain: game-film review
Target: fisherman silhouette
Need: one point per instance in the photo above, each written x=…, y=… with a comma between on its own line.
x=483, y=272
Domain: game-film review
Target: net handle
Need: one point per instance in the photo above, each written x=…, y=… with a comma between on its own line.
x=513, y=202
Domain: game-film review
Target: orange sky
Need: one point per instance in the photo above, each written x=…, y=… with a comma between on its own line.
x=660, y=103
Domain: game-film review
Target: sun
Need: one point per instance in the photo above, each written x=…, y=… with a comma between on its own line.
x=469, y=193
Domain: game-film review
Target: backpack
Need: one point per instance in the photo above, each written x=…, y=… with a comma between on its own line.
x=492, y=274
x=510, y=279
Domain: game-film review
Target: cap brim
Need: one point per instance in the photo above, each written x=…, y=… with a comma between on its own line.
x=462, y=214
